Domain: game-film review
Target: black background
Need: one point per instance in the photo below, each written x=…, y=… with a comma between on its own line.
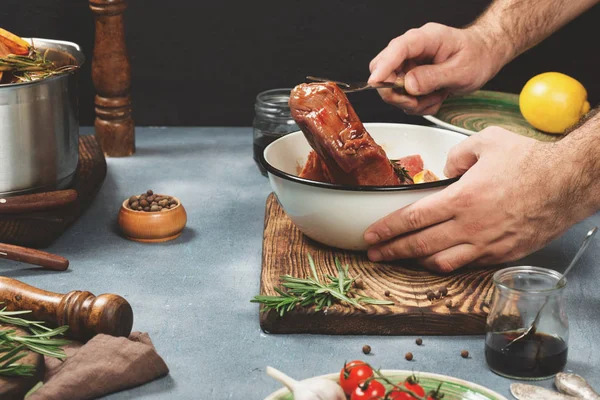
x=202, y=63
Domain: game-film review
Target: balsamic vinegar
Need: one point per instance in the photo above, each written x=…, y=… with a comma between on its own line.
x=534, y=356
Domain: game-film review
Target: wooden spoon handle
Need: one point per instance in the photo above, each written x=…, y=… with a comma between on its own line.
x=32, y=256
x=37, y=201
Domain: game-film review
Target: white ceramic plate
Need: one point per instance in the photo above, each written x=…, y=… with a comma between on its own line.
x=446, y=125
x=453, y=388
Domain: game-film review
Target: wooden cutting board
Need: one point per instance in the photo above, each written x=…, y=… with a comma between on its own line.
x=285, y=251
x=41, y=228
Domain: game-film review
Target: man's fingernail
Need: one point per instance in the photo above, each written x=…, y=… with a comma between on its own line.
x=374, y=255
x=411, y=84
x=374, y=75
x=371, y=237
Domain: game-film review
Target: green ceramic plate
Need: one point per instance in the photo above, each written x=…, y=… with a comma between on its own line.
x=453, y=388
x=471, y=113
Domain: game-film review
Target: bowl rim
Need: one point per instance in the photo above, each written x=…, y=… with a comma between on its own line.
x=127, y=209
x=351, y=188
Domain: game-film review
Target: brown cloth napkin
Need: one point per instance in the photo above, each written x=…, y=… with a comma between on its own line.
x=103, y=365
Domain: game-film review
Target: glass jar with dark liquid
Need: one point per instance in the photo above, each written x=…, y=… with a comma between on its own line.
x=272, y=120
x=519, y=294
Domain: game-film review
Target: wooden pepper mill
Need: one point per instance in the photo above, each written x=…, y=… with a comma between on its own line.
x=111, y=74
x=86, y=314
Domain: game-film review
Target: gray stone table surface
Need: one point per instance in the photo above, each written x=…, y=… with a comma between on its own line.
x=192, y=295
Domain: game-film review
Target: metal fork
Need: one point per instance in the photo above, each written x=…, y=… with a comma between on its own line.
x=350, y=87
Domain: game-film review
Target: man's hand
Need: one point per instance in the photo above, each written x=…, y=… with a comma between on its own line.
x=515, y=196
x=436, y=60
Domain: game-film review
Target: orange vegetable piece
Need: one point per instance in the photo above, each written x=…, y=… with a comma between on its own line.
x=13, y=43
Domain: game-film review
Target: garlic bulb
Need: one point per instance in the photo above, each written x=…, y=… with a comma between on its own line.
x=310, y=389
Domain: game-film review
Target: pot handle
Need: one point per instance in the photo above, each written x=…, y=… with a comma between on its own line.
x=36, y=202
x=32, y=256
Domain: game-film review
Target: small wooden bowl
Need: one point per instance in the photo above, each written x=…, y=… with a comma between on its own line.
x=152, y=227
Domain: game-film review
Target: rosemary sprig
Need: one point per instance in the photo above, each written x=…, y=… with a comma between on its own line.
x=32, y=66
x=13, y=347
x=401, y=172
x=310, y=291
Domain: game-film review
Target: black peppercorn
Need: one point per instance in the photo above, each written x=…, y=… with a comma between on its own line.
x=387, y=293
x=430, y=295
x=419, y=341
x=359, y=284
x=366, y=349
x=443, y=290
x=151, y=202
x=408, y=356
x=449, y=303
x=464, y=354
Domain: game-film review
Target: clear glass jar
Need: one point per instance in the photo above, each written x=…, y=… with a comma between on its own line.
x=519, y=294
x=272, y=119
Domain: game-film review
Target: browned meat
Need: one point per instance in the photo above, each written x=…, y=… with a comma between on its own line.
x=334, y=131
x=315, y=169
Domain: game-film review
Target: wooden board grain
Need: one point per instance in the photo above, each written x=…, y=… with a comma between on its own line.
x=40, y=229
x=285, y=251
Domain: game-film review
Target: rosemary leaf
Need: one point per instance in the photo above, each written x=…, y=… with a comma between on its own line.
x=369, y=300
x=312, y=268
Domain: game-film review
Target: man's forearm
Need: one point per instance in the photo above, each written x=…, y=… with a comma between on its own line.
x=511, y=27
x=578, y=156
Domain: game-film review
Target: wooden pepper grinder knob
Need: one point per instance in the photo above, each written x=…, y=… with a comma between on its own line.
x=86, y=314
x=111, y=74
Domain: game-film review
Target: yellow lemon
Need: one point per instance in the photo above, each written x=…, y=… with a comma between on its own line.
x=553, y=102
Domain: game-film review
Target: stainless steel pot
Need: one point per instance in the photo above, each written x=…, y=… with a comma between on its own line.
x=39, y=127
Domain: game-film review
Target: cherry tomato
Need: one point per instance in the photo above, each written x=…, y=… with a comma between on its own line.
x=353, y=374
x=374, y=390
x=395, y=395
x=413, y=386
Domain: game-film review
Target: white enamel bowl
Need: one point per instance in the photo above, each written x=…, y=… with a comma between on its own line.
x=338, y=215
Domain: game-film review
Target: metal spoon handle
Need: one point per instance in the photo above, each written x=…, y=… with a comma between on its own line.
x=580, y=252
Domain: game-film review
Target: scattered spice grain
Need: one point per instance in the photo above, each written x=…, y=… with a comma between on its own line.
x=449, y=303
x=444, y=291
x=419, y=341
x=366, y=349
x=464, y=354
x=387, y=293
x=430, y=295
x=359, y=284
x=408, y=356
